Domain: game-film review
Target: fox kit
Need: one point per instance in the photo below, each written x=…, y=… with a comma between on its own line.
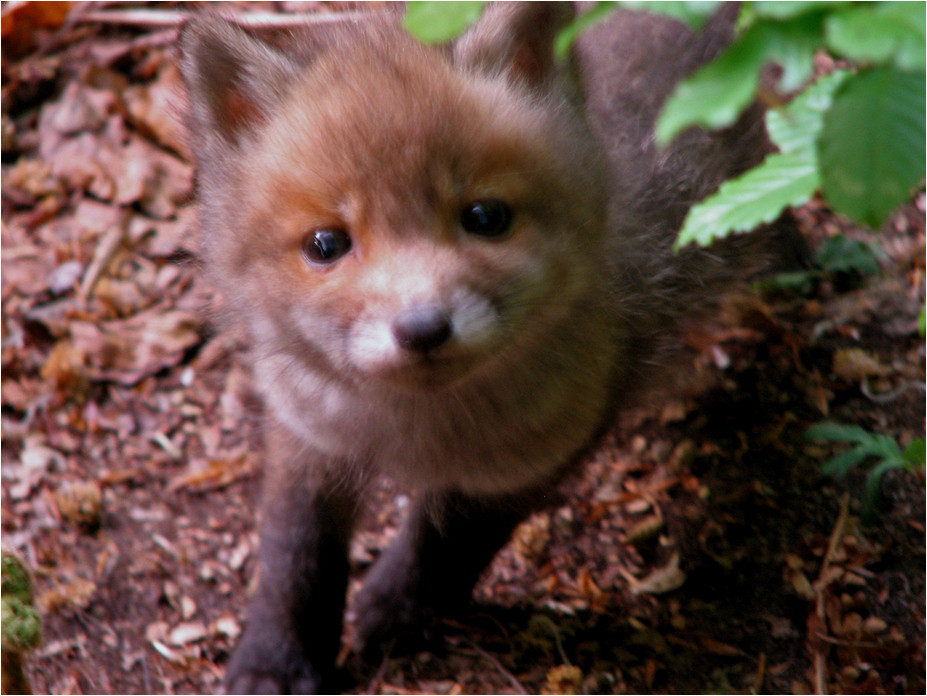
x=453, y=265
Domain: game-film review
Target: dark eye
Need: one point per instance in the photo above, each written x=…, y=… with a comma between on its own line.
x=489, y=218
x=326, y=245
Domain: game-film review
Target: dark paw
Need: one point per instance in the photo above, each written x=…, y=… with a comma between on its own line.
x=270, y=668
x=389, y=624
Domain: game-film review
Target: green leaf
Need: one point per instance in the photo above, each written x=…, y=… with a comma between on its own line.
x=872, y=147
x=788, y=10
x=792, y=45
x=916, y=452
x=754, y=198
x=797, y=126
x=717, y=94
x=801, y=282
x=840, y=254
x=909, y=54
x=837, y=432
x=840, y=464
x=885, y=446
x=914, y=14
x=566, y=37
x=879, y=33
x=922, y=322
x=788, y=178
x=872, y=489
x=437, y=22
x=869, y=444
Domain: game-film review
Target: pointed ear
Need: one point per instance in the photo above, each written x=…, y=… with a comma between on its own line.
x=516, y=39
x=234, y=79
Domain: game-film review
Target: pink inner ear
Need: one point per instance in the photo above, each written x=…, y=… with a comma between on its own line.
x=238, y=112
x=530, y=64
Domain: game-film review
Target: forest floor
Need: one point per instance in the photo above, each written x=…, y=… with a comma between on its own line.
x=699, y=550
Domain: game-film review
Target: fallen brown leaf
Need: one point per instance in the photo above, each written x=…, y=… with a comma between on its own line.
x=128, y=350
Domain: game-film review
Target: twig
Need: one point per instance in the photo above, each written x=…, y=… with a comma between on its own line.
x=757, y=687
x=835, y=538
x=500, y=667
x=170, y=18
x=820, y=663
x=858, y=644
x=106, y=249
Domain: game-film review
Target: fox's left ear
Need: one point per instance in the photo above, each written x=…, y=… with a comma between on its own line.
x=234, y=80
x=516, y=39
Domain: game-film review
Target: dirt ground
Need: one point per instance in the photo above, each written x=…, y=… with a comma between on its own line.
x=699, y=550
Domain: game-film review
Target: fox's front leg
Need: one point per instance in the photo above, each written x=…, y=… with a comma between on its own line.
x=430, y=569
x=294, y=622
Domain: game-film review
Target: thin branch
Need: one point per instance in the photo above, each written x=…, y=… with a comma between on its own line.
x=171, y=18
x=500, y=667
x=819, y=661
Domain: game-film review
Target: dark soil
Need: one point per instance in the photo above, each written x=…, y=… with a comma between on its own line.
x=700, y=549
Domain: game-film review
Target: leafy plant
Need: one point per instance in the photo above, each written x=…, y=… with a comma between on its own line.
x=867, y=446
x=838, y=256
x=857, y=135
x=786, y=178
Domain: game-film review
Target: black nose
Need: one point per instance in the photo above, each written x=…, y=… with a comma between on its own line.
x=422, y=328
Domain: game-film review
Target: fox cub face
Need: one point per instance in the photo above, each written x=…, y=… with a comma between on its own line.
x=400, y=216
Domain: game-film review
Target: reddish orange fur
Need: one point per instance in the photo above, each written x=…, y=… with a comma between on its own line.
x=541, y=332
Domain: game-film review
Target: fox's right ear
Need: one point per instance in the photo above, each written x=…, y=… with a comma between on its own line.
x=516, y=39
x=234, y=80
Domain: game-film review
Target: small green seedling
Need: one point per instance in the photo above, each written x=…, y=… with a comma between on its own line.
x=867, y=445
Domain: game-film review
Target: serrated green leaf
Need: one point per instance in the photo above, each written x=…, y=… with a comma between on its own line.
x=872, y=147
x=873, y=34
x=840, y=254
x=788, y=178
x=840, y=464
x=797, y=126
x=916, y=452
x=437, y=22
x=752, y=199
x=792, y=46
x=715, y=96
x=566, y=37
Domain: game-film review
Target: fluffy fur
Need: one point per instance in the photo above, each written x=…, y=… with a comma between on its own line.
x=360, y=129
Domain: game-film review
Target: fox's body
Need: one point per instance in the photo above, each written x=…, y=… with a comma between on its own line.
x=453, y=265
